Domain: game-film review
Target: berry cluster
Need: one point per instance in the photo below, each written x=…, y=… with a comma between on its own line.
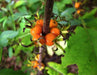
x=35, y=63
x=77, y=6
x=36, y=32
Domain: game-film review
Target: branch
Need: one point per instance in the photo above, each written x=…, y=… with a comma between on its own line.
x=47, y=15
x=40, y=60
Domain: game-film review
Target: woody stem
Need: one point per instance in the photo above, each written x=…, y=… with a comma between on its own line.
x=47, y=15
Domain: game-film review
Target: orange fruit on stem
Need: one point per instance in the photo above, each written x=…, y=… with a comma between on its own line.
x=49, y=39
x=55, y=31
x=53, y=23
x=36, y=30
x=34, y=64
x=77, y=5
x=36, y=37
x=79, y=11
x=32, y=31
x=39, y=22
x=42, y=41
x=49, y=43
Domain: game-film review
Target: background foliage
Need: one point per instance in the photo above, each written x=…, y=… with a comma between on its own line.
x=82, y=44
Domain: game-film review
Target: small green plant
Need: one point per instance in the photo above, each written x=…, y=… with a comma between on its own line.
x=33, y=42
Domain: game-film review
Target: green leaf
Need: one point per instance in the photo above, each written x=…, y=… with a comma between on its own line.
x=33, y=1
x=2, y=19
x=91, y=22
x=90, y=19
x=51, y=71
x=18, y=3
x=82, y=50
x=90, y=14
x=67, y=1
x=61, y=5
x=11, y=72
x=55, y=9
x=58, y=68
x=23, y=10
x=7, y=35
x=10, y=52
x=71, y=74
x=3, y=42
x=4, y=22
x=26, y=41
x=63, y=22
x=75, y=22
x=68, y=13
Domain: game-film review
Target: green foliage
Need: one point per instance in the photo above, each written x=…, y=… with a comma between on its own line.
x=61, y=5
x=68, y=13
x=51, y=71
x=25, y=41
x=5, y=36
x=82, y=50
x=63, y=22
x=18, y=3
x=90, y=14
x=56, y=69
x=90, y=19
x=70, y=74
x=91, y=22
x=75, y=22
x=82, y=46
x=11, y=72
x=10, y=52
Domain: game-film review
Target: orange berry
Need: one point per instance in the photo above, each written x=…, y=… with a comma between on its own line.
x=53, y=23
x=35, y=43
x=32, y=31
x=77, y=5
x=38, y=29
x=42, y=41
x=49, y=43
x=39, y=22
x=55, y=31
x=49, y=39
x=80, y=11
x=36, y=37
x=34, y=64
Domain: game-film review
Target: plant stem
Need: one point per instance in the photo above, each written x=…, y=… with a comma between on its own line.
x=40, y=60
x=47, y=15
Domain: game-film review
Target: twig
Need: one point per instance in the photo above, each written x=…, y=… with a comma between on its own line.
x=28, y=21
x=40, y=59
